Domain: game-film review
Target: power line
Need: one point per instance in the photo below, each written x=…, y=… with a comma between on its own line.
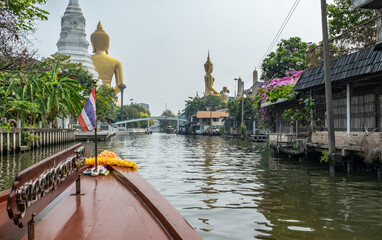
x=281, y=29
x=275, y=39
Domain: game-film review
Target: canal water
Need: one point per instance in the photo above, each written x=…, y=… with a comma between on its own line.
x=234, y=189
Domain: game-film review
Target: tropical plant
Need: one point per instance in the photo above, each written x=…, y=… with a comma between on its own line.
x=83, y=76
x=60, y=95
x=35, y=95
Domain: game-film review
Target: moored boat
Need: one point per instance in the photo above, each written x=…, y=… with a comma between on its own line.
x=54, y=200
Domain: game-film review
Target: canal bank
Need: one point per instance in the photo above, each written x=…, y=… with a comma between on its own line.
x=234, y=189
x=15, y=140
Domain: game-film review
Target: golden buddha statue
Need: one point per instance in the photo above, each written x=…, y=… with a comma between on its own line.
x=209, y=79
x=105, y=65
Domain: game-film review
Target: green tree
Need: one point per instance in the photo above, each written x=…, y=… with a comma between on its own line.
x=16, y=23
x=135, y=111
x=234, y=108
x=106, y=103
x=24, y=13
x=343, y=17
x=214, y=102
x=166, y=123
x=193, y=105
x=289, y=55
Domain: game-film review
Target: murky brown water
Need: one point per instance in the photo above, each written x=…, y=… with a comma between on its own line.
x=233, y=189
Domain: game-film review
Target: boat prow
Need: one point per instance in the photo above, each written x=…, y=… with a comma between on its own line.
x=119, y=205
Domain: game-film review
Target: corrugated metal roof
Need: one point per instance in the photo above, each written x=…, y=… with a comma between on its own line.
x=365, y=62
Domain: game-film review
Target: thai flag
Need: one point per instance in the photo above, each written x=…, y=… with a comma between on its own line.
x=87, y=119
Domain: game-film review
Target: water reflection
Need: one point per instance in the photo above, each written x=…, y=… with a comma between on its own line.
x=11, y=164
x=233, y=189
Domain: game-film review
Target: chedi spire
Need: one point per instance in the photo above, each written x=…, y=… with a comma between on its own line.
x=72, y=40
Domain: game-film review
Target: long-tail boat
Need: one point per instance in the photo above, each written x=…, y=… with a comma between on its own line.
x=54, y=200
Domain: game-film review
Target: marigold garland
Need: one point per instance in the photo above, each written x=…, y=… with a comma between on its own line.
x=109, y=158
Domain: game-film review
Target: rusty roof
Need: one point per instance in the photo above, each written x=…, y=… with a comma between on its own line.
x=363, y=63
x=213, y=114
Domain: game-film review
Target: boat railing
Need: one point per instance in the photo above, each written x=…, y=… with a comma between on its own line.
x=37, y=186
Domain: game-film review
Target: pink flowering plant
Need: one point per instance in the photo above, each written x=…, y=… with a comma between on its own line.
x=276, y=89
x=281, y=88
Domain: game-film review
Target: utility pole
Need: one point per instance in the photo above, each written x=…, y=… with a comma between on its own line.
x=328, y=87
x=242, y=106
x=121, y=88
x=241, y=87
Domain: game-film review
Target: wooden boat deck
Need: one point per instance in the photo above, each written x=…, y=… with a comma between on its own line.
x=120, y=205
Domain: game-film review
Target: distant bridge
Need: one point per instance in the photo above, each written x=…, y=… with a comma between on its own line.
x=125, y=122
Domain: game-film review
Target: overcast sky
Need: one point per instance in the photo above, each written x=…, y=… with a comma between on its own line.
x=163, y=44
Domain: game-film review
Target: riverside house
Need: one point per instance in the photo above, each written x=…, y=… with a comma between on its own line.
x=203, y=120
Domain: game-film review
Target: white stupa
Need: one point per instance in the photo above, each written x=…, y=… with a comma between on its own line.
x=73, y=37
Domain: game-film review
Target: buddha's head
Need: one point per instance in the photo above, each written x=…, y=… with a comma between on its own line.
x=208, y=66
x=100, y=40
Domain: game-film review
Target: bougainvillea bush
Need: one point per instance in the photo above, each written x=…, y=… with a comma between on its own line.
x=276, y=89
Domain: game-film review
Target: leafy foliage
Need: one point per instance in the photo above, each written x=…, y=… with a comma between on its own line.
x=34, y=95
x=214, y=102
x=16, y=22
x=24, y=12
x=243, y=130
x=135, y=111
x=325, y=156
x=277, y=89
x=343, y=17
x=290, y=55
x=347, y=30
x=106, y=103
x=234, y=108
x=164, y=124
x=193, y=105
x=74, y=69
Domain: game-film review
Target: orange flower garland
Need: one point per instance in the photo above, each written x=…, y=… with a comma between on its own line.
x=110, y=158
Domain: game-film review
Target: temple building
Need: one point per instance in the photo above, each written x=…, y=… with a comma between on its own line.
x=73, y=37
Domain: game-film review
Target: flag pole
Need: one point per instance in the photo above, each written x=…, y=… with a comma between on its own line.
x=95, y=131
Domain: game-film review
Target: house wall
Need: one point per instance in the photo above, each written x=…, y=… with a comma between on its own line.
x=357, y=139
x=365, y=107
